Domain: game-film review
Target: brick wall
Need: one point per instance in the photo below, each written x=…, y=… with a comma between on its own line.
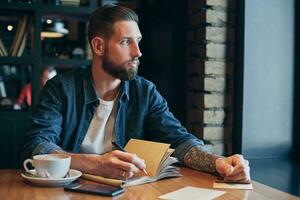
x=210, y=55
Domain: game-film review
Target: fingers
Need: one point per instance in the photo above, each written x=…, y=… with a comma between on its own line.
x=234, y=168
x=241, y=177
x=120, y=174
x=124, y=165
x=238, y=160
x=223, y=168
x=124, y=175
x=130, y=158
x=241, y=167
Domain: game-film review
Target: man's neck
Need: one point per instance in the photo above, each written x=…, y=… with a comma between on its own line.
x=107, y=86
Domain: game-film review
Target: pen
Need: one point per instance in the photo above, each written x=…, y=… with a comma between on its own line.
x=222, y=180
x=122, y=149
x=231, y=182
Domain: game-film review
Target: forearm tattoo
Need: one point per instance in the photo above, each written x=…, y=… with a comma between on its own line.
x=198, y=158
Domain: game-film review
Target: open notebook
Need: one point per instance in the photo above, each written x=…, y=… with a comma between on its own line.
x=157, y=158
x=158, y=163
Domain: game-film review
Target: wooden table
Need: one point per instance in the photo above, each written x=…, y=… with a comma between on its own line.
x=12, y=187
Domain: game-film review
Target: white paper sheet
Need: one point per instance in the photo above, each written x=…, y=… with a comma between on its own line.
x=233, y=186
x=192, y=193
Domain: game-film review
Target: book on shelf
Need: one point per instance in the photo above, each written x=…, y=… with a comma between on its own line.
x=20, y=39
x=16, y=40
x=158, y=160
x=24, y=38
x=2, y=88
x=70, y=2
x=3, y=51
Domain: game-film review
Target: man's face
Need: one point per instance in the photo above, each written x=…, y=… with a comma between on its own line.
x=121, y=55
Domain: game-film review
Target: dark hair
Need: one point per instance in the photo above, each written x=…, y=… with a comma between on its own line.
x=102, y=20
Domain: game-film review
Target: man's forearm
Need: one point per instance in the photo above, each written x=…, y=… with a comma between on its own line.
x=87, y=163
x=114, y=164
x=198, y=158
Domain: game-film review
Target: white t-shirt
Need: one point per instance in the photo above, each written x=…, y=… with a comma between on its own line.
x=101, y=130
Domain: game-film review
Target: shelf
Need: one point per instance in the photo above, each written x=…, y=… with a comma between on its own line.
x=66, y=12
x=48, y=9
x=17, y=6
x=16, y=60
x=76, y=17
x=13, y=78
x=5, y=112
x=70, y=61
x=73, y=10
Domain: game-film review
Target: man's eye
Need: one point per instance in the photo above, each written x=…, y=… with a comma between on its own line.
x=125, y=42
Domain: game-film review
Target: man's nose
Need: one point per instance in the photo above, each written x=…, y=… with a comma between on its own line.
x=136, y=52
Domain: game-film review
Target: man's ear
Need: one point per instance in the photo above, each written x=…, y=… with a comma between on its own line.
x=98, y=46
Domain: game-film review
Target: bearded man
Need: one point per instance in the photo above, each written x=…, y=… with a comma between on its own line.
x=81, y=112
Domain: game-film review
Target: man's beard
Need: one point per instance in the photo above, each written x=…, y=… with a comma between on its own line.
x=123, y=72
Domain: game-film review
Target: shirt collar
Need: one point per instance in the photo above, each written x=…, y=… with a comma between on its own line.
x=125, y=90
x=90, y=91
x=90, y=94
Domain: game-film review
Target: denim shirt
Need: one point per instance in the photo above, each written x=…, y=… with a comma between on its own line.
x=67, y=104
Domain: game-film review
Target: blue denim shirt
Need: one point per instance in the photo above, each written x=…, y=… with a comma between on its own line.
x=67, y=104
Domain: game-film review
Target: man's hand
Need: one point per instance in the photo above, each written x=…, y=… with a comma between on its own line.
x=233, y=168
x=115, y=164
x=119, y=164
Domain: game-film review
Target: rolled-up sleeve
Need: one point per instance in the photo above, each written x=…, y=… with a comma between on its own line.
x=162, y=126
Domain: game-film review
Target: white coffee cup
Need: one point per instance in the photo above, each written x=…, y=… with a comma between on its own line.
x=49, y=165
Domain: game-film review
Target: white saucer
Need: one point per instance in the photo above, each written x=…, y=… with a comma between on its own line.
x=52, y=182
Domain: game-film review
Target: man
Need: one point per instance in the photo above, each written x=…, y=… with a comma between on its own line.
x=82, y=112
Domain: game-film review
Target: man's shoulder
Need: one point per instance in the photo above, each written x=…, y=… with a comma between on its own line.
x=141, y=81
x=71, y=75
x=68, y=82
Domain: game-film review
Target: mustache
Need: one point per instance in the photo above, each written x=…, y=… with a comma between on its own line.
x=134, y=61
